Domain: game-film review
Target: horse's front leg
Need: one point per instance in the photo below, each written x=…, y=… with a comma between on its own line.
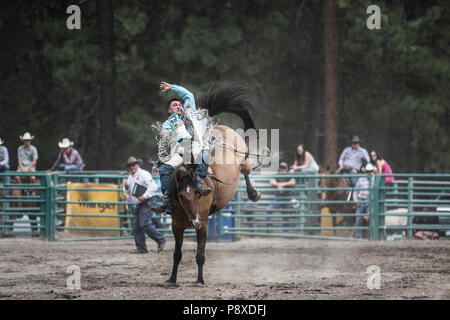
x=201, y=243
x=177, y=254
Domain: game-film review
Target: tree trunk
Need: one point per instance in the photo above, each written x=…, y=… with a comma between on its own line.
x=331, y=119
x=313, y=105
x=106, y=112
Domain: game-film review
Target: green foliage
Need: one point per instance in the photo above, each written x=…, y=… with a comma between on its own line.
x=392, y=83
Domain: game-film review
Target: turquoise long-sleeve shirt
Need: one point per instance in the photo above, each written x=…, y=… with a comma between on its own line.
x=187, y=97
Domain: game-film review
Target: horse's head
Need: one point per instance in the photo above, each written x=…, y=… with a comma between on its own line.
x=324, y=182
x=183, y=188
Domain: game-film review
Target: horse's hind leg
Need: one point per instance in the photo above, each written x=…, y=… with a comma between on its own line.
x=253, y=194
x=177, y=254
x=200, y=258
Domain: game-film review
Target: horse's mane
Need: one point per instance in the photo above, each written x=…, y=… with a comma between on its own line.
x=184, y=179
x=229, y=99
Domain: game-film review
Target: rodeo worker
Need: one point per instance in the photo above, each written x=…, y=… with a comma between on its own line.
x=141, y=187
x=171, y=153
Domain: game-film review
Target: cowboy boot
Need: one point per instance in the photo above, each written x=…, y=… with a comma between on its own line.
x=166, y=206
x=204, y=191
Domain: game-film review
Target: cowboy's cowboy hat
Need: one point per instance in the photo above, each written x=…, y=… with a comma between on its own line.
x=1, y=141
x=26, y=136
x=132, y=160
x=65, y=143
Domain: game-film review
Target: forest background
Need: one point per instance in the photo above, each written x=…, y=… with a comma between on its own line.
x=99, y=85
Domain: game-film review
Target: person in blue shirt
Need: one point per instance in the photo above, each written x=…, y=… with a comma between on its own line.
x=172, y=158
x=352, y=159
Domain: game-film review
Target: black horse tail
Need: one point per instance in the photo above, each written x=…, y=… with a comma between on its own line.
x=229, y=99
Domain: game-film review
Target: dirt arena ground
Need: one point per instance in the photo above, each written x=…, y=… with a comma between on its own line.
x=246, y=269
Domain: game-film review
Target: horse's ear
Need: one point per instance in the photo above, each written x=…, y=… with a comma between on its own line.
x=192, y=172
x=177, y=178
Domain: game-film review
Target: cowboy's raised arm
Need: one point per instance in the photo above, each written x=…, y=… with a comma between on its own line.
x=184, y=94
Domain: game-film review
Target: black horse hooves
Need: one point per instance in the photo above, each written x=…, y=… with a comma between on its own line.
x=171, y=283
x=254, y=196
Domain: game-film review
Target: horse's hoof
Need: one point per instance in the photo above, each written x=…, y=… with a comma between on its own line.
x=255, y=196
x=171, y=282
x=200, y=283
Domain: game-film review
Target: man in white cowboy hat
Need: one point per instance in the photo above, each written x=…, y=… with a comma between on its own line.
x=27, y=155
x=141, y=188
x=361, y=195
x=69, y=158
x=4, y=158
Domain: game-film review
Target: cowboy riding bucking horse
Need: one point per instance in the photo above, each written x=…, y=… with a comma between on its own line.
x=180, y=146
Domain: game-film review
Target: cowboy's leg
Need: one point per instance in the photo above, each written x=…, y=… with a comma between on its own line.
x=165, y=173
x=201, y=170
x=352, y=180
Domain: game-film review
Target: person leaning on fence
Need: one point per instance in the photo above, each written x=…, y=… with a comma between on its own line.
x=282, y=194
x=158, y=198
x=304, y=163
x=141, y=187
x=4, y=158
x=361, y=197
x=27, y=156
x=69, y=158
x=352, y=159
x=376, y=159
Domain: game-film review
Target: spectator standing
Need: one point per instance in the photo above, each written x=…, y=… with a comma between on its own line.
x=69, y=158
x=382, y=166
x=157, y=199
x=155, y=174
x=4, y=157
x=361, y=197
x=27, y=156
x=352, y=159
x=142, y=212
x=281, y=195
x=304, y=163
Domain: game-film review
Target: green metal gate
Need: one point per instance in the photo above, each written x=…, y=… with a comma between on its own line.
x=424, y=199
x=419, y=201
